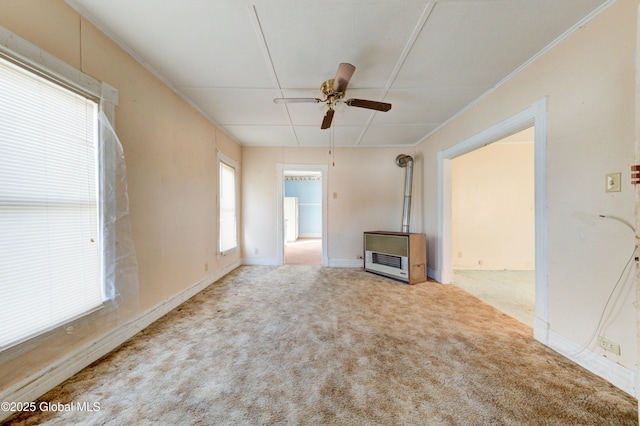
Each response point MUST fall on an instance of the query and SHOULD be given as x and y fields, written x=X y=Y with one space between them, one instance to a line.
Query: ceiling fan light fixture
x=339 y=105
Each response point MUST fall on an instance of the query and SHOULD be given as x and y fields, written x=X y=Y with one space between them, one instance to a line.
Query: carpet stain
x=312 y=345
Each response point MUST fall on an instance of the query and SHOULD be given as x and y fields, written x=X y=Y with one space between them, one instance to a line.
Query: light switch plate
x=613 y=182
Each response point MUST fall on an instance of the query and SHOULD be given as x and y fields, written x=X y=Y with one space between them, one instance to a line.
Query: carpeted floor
x=311 y=345
x=512 y=292
x=303 y=251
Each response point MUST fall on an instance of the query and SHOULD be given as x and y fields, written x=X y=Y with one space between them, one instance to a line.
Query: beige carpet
x=311 y=345
x=512 y=292
x=303 y=251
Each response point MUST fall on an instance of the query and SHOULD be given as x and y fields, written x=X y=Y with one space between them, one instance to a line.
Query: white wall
x=493 y=206
x=589 y=83
x=365 y=190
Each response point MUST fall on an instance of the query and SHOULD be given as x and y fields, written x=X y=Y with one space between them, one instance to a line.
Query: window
x=51 y=268
x=228 y=224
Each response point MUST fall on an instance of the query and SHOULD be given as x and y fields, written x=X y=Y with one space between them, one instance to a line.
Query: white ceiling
x=230 y=58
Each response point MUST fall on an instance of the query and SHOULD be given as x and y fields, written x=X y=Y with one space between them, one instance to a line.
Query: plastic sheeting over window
x=121 y=264
x=68 y=260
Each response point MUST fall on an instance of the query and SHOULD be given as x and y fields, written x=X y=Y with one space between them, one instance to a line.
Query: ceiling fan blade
x=297 y=100
x=363 y=103
x=328 y=118
x=345 y=71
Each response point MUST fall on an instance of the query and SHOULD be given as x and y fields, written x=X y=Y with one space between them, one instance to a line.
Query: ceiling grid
x=429 y=59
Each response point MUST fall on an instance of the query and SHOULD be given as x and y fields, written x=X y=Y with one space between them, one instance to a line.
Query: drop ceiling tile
x=396 y=135
x=347 y=135
x=262 y=135
x=425 y=106
x=342 y=135
x=313 y=136
x=307 y=40
x=194 y=43
x=214 y=52
x=478 y=43
x=239 y=106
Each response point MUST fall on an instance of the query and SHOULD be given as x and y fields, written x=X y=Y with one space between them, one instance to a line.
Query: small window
x=228 y=222
x=50 y=233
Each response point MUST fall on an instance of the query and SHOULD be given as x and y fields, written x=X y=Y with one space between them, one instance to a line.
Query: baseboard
x=346 y=263
x=46 y=379
x=332 y=263
x=312 y=235
x=541 y=331
x=434 y=274
x=260 y=261
x=616 y=374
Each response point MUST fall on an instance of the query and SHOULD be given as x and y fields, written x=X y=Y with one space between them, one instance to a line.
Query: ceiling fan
x=333 y=91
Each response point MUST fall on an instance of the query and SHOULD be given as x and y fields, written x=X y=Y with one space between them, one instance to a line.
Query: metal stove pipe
x=406 y=161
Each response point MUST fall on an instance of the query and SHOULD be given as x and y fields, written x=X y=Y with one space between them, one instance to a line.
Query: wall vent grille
x=387 y=260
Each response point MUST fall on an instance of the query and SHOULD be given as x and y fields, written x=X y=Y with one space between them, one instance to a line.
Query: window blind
x=228 y=229
x=50 y=266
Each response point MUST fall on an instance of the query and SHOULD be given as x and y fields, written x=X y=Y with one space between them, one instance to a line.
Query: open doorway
x=493 y=224
x=302 y=214
x=302 y=217
x=535 y=115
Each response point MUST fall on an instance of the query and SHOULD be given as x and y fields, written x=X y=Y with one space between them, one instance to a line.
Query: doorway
x=493 y=224
x=536 y=115
x=302 y=214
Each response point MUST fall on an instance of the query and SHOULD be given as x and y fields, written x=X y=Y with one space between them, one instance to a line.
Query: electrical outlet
x=609 y=345
x=206 y=267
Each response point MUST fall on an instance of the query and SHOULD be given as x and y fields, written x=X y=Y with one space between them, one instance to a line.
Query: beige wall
x=365 y=190
x=170 y=152
x=492 y=217
x=589 y=81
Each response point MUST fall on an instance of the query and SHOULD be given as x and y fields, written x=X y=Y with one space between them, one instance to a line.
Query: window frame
x=229 y=162
x=22 y=53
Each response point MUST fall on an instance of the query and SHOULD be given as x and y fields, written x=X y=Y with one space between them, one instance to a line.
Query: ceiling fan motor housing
x=330 y=94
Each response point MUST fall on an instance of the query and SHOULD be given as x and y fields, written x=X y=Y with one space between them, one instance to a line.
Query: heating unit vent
x=385 y=259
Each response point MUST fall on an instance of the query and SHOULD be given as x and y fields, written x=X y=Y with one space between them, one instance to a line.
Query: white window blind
x=228 y=229
x=50 y=266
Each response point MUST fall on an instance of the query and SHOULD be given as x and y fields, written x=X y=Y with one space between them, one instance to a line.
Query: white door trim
x=324 y=170
x=535 y=115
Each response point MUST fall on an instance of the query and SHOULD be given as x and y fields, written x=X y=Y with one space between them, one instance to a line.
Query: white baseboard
x=616 y=374
x=434 y=274
x=312 y=235
x=346 y=263
x=332 y=263
x=541 y=331
x=260 y=261
x=60 y=370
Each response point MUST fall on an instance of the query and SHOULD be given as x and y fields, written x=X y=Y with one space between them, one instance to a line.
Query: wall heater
x=398 y=255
